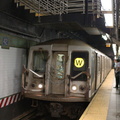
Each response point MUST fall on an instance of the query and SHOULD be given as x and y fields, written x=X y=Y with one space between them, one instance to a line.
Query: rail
x=26 y=115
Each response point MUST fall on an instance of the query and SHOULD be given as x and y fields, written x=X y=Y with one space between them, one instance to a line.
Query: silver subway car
x=64 y=71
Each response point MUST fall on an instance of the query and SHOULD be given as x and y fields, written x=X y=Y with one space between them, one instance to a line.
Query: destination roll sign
x=79 y=62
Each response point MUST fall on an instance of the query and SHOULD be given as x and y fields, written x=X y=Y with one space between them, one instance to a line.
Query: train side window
x=39 y=61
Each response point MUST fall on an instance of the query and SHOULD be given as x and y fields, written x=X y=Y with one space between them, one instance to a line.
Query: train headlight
x=40 y=85
x=74 y=87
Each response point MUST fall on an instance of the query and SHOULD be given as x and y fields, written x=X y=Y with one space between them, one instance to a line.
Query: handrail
x=87 y=74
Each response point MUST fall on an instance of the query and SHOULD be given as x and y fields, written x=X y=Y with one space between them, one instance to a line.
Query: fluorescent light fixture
x=119 y=51
x=106 y=36
x=114 y=48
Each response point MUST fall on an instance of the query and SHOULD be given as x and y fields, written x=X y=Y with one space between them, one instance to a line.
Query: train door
x=98 y=70
x=102 y=69
x=93 y=74
x=58 y=71
x=105 y=67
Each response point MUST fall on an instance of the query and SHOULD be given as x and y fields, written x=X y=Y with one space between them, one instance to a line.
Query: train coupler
x=34 y=103
x=56 y=109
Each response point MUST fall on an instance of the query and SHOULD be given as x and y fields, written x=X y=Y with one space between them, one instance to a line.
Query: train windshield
x=39 y=61
x=79 y=63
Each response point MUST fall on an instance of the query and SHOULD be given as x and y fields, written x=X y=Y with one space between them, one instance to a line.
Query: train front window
x=39 y=61
x=79 y=63
x=60 y=66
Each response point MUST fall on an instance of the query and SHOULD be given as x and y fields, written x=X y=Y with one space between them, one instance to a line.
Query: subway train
x=64 y=71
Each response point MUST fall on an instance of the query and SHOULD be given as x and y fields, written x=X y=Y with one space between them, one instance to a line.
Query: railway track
x=27 y=115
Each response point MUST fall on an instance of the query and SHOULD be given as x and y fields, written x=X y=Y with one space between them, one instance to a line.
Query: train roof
x=65 y=41
x=68 y=42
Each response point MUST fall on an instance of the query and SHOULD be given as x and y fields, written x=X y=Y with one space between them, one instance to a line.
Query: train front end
x=57 y=72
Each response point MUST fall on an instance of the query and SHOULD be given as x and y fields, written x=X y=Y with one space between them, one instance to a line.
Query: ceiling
x=23 y=17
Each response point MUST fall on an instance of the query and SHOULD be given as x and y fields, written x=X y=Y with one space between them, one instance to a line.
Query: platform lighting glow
x=114 y=48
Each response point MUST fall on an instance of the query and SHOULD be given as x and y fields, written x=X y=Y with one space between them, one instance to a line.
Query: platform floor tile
x=98 y=107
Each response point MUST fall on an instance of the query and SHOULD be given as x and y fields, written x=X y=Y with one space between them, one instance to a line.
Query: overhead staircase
x=59 y=7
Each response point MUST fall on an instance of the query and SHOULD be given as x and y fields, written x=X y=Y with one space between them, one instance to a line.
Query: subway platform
x=106 y=103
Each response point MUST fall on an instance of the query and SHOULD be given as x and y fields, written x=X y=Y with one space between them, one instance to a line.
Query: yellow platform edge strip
x=98 y=107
